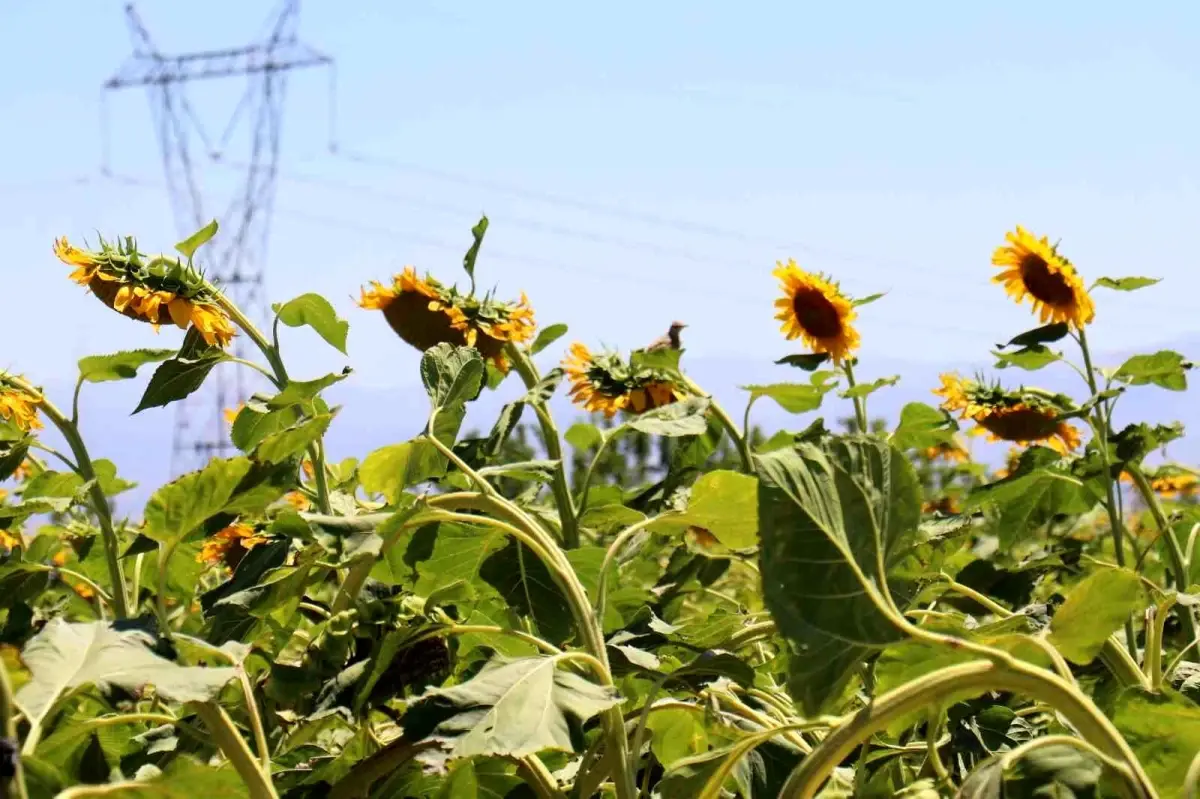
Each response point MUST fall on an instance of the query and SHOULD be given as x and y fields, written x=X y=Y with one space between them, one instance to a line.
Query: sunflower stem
x=99 y=502
x=567 y=514
x=1101 y=429
x=860 y=403
x=727 y=422
x=270 y=351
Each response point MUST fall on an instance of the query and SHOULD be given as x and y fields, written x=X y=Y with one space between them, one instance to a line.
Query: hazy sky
x=643 y=162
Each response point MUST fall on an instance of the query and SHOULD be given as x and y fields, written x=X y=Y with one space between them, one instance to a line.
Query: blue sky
x=640 y=163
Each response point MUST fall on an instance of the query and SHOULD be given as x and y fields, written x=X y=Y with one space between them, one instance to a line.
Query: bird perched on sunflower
x=606 y=383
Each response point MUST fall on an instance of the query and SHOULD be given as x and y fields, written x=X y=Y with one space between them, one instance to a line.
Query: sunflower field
x=533 y=611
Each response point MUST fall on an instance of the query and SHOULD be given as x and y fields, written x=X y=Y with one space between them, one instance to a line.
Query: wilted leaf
x=1094 y=609
x=66 y=656
x=511 y=708
x=829 y=519
x=452 y=375
x=1165 y=368
x=119 y=365
x=683 y=418
x=477 y=234
x=316 y=312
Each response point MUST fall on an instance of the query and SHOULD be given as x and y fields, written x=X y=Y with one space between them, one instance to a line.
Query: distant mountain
x=373 y=416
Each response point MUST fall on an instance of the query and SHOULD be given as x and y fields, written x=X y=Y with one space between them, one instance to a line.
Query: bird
x=671 y=341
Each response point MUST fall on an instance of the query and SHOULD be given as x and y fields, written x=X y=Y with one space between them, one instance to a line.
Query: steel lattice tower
x=237 y=257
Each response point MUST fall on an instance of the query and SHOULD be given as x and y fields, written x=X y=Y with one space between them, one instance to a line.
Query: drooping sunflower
x=1034 y=268
x=951 y=451
x=814 y=309
x=1171 y=482
x=606 y=383
x=155 y=289
x=1025 y=416
x=230 y=545
x=18 y=405
x=424 y=313
x=945 y=505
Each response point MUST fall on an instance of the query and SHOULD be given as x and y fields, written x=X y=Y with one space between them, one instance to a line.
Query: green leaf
x=391 y=469
x=683 y=418
x=1094 y=610
x=291 y=441
x=830 y=518
x=302 y=392
x=540 y=471
x=677 y=733
x=1164 y=368
x=452 y=375
x=1048 y=771
x=864 y=389
x=583 y=436
x=808 y=361
x=119 y=365
x=316 y=312
x=1031 y=358
x=1127 y=283
x=188 y=246
x=870 y=298
x=922 y=426
x=53 y=484
x=1046 y=334
x=526 y=585
x=12 y=455
x=66 y=656
x=726 y=504
x=106 y=476
x=547 y=336
x=179 y=507
x=512 y=708
x=180 y=376
x=22 y=582
x=1041 y=488
x=1164 y=732
x=477 y=233
x=792 y=397
x=184 y=778
x=255 y=422
x=665 y=359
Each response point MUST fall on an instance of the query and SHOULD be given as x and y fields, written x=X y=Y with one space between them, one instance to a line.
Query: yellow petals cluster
x=1033 y=268
x=949 y=451
x=157 y=290
x=1021 y=417
x=230 y=545
x=606 y=384
x=19 y=405
x=814 y=310
x=425 y=313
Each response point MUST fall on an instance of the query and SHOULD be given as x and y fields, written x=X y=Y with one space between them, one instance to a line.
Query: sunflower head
x=230 y=545
x=1172 y=482
x=425 y=313
x=1024 y=416
x=606 y=383
x=946 y=506
x=153 y=289
x=19 y=405
x=952 y=451
x=814 y=310
x=1033 y=268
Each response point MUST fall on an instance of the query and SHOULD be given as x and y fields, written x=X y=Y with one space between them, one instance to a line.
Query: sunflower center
x=816 y=314
x=1048 y=286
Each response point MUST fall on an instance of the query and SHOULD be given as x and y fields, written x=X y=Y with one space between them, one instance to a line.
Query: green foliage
x=316 y=312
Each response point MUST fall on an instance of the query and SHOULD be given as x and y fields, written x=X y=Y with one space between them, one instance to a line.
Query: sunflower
x=297 y=500
x=605 y=383
x=1026 y=416
x=424 y=313
x=19 y=405
x=158 y=290
x=231 y=414
x=951 y=451
x=9 y=541
x=1171 y=482
x=1032 y=267
x=947 y=506
x=814 y=309
x=230 y=545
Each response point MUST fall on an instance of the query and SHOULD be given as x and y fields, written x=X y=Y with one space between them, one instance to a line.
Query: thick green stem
x=99 y=501
x=860 y=403
x=743 y=446
x=535 y=774
x=1179 y=566
x=14 y=786
x=586 y=483
x=231 y=744
x=561 y=488
x=1100 y=426
x=972 y=677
